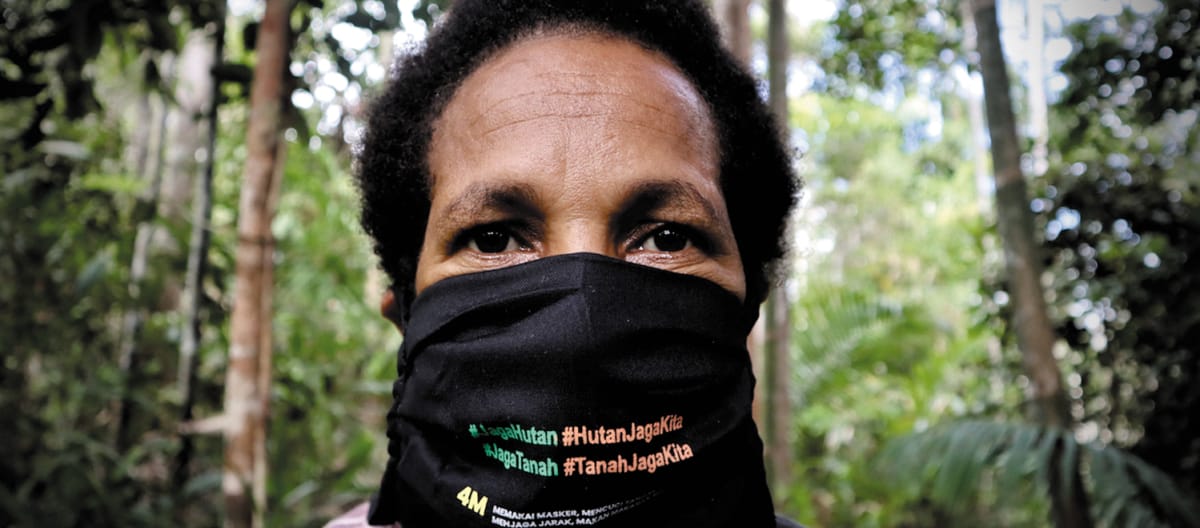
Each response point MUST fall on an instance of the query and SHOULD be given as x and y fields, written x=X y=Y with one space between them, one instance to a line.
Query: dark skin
x=566 y=144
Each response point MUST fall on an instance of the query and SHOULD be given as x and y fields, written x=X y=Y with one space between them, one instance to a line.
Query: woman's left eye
x=492 y=240
x=667 y=240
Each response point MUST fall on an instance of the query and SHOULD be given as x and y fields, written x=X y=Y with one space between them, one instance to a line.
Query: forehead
x=589 y=79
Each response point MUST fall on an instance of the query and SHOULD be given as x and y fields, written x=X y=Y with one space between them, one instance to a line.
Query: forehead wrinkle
x=560 y=76
x=551 y=110
x=580 y=116
x=485 y=112
x=662 y=131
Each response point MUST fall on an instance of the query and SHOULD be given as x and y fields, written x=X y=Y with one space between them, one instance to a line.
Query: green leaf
x=123 y=184
x=1124 y=490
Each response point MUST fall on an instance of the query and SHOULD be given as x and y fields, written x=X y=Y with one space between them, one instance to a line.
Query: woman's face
x=565 y=144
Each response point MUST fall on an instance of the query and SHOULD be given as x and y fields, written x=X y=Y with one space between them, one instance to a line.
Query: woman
x=578 y=204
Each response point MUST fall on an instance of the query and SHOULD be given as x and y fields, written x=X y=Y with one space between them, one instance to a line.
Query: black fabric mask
x=574 y=390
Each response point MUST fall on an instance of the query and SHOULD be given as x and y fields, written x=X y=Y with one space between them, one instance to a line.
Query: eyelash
x=649 y=230
x=639 y=236
x=466 y=236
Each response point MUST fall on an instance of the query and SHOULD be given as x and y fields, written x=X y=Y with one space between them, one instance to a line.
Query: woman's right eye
x=491 y=240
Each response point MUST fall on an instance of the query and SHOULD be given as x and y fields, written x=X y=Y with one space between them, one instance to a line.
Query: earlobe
x=390 y=310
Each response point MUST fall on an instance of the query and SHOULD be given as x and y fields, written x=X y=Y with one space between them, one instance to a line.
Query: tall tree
x=1023 y=263
x=248 y=376
x=131 y=324
x=776 y=365
x=198 y=245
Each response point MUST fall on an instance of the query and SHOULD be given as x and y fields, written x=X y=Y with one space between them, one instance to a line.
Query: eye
x=491 y=240
x=667 y=240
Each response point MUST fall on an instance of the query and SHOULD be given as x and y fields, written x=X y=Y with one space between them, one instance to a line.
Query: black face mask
x=574 y=390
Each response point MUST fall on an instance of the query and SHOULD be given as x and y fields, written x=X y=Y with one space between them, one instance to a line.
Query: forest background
x=897 y=382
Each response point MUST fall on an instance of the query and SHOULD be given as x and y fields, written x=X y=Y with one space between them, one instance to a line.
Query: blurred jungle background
x=989 y=320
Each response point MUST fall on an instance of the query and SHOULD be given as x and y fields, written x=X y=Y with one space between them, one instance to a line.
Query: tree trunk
x=245 y=391
x=193 y=289
x=259 y=484
x=189 y=137
x=1023 y=264
x=147 y=207
x=734 y=18
x=181 y=136
x=777 y=408
x=777 y=367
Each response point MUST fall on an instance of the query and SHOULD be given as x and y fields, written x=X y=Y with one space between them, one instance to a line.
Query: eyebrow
x=665 y=195
x=508 y=197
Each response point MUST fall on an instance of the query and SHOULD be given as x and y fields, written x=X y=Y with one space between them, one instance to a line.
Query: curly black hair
x=756 y=175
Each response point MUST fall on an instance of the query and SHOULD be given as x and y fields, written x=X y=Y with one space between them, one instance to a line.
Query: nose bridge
x=581 y=235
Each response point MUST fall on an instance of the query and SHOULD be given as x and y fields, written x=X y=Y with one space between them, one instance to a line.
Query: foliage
x=62 y=282
x=334 y=354
x=1130 y=369
x=48 y=44
x=881 y=45
x=1121 y=212
x=1012 y=462
x=79 y=86
x=66 y=193
x=884 y=339
x=895 y=333
x=1121 y=381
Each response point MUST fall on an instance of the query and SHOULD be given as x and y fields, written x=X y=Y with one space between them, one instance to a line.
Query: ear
x=390 y=310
